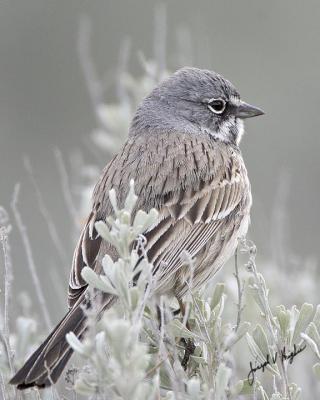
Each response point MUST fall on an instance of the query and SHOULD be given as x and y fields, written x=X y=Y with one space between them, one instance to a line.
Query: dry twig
x=31 y=264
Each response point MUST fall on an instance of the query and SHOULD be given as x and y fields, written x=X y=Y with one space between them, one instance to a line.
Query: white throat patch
x=240 y=125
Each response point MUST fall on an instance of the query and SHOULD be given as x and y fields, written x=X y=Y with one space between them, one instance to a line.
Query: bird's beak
x=245 y=110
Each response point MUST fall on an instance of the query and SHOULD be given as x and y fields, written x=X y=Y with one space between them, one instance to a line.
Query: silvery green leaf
x=125 y=219
x=206 y=311
x=144 y=390
x=78 y=347
x=121 y=280
x=193 y=388
x=91 y=277
x=316 y=318
x=107 y=264
x=294 y=315
x=111 y=269
x=243 y=329
x=237 y=388
x=254 y=291
x=198 y=360
x=135 y=297
x=304 y=318
x=100 y=349
x=119 y=335
x=217 y=311
x=311 y=343
x=221 y=381
x=259 y=357
x=316 y=370
x=283 y=317
x=46 y=394
x=134 y=257
x=103 y=230
x=217 y=295
x=101 y=341
x=295 y=391
x=96 y=281
x=143 y=221
x=131 y=199
x=113 y=200
x=107 y=286
x=85 y=388
x=254 y=349
x=247 y=389
x=26 y=328
x=236 y=336
x=260 y=338
x=140 y=220
x=179 y=330
x=262 y=283
x=155 y=386
x=170 y=395
x=153 y=216
x=313 y=333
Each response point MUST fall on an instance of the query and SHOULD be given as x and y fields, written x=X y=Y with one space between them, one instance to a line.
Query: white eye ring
x=217 y=106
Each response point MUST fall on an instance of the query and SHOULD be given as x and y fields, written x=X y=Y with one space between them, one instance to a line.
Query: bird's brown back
x=195 y=182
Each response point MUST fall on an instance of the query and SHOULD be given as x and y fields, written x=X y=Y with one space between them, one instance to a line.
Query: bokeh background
x=268 y=49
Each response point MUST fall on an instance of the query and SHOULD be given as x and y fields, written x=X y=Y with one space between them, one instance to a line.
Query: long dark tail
x=46 y=364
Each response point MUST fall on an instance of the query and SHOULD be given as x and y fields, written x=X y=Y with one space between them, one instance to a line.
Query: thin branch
x=200 y=313
x=31 y=264
x=250 y=248
x=8 y=274
x=240 y=290
x=164 y=355
x=4 y=339
x=154 y=368
x=45 y=213
x=66 y=187
x=5 y=229
x=2 y=386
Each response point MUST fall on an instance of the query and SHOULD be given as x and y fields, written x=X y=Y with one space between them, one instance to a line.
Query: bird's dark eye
x=217 y=106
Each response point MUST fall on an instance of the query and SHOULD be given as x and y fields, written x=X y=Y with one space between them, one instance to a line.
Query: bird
x=183 y=154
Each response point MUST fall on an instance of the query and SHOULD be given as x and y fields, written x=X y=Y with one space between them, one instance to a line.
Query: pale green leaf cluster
x=141 y=341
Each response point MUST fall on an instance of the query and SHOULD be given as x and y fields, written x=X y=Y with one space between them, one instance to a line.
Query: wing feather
x=85 y=254
x=195 y=183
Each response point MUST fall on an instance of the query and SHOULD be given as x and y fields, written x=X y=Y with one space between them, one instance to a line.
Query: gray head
x=194 y=100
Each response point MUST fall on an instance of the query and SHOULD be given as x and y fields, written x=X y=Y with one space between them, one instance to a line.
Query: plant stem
x=31 y=264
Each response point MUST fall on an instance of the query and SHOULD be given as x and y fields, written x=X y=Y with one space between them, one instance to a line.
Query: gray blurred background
x=269 y=49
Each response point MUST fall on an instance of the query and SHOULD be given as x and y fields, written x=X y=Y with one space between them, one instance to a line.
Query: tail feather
x=46 y=364
x=65 y=352
x=57 y=371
